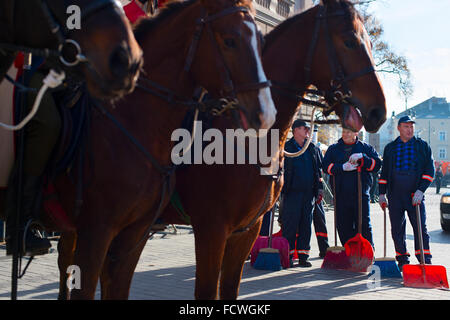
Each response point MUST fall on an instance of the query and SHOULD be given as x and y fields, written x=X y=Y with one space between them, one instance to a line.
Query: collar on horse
x=62 y=34
x=339 y=91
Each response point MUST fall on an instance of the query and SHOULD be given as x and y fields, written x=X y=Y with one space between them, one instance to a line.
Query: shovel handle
x=334 y=209
x=385 y=240
x=359 y=201
x=419 y=231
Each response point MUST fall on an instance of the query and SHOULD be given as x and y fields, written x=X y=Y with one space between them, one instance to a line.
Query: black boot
x=34 y=245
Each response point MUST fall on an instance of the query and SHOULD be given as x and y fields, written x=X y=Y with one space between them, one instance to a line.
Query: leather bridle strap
x=339 y=79
x=229 y=89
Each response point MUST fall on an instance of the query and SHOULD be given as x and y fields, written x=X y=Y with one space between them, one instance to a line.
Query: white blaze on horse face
x=268 y=110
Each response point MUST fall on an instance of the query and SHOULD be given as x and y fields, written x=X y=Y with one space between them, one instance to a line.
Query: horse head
x=232 y=43
x=99 y=47
x=343 y=55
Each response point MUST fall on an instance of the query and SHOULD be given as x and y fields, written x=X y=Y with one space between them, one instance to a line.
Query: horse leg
x=121 y=261
x=237 y=250
x=209 y=248
x=92 y=245
x=66 y=248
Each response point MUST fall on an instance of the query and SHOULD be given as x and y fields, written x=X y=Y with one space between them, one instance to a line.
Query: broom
x=335 y=257
x=269 y=258
x=358 y=249
x=388 y=266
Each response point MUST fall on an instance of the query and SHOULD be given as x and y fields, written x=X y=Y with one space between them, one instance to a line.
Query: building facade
x=270 y=13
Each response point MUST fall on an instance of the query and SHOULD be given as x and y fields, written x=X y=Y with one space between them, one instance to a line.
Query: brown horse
x=101 y=49
x=132 y=181
x=225 y=233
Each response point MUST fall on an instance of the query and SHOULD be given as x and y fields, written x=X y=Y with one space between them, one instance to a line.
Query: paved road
x=166 y=270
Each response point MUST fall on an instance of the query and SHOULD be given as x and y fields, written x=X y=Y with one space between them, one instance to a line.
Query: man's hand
x=417 y=198
x=382 y=200
x=319 y=196
x=354 y=158
x=349 y=166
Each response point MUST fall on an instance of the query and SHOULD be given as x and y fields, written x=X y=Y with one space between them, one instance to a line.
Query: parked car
x=445 y=211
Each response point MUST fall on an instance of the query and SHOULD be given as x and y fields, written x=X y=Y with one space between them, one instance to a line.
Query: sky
x=420 y=31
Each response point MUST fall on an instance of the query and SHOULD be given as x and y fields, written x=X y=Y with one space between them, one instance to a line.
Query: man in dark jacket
x=408 y=170
x=341 y=161
x=302 y=184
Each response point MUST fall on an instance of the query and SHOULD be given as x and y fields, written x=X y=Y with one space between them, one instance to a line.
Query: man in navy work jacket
x=408 y=170
x=302 y=185
x=341 y=161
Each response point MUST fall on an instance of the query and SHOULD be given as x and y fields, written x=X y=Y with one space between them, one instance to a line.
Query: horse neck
x=166 y=54
x=7 y=18
x=284 y=62
x=164 y=65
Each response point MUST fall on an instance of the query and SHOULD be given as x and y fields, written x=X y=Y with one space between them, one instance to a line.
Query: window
x=283 y=8
x=442 y=136
x=264 y=3
x=442 y=153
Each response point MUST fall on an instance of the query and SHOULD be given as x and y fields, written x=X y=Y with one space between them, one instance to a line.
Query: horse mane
x=332 y=4
x=145 y=25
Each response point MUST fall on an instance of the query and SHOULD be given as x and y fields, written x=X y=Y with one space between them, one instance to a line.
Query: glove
x=382 y=201
x=417 y=198
x=355 y=157
x=349 y=166
x=319 y=196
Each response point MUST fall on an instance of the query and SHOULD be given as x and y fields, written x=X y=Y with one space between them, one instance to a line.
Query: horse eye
x=351 y=44
x=230 y=43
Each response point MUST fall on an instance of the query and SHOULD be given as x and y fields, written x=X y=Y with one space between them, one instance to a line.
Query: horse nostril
x=120 y=62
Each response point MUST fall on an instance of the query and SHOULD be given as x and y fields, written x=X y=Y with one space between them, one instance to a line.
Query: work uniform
x=347 y=186
x=407 y=167
x=302 y=181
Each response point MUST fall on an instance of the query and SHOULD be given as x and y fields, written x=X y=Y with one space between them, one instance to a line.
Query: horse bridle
x=229 y=93
x=61 y=33
x=229 y=89
x=339 y=90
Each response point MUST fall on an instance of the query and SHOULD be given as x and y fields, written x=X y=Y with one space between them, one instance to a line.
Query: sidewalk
x=166 y=271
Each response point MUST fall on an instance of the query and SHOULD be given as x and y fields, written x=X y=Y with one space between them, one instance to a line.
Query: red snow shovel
x=335 y=258
x=424 y=276
x=358 y=249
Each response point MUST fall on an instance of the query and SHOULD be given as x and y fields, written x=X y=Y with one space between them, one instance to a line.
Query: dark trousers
x=400 y=200
x=296 y=219
x=347 y=217
x=438 y=185
x=320 y=227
